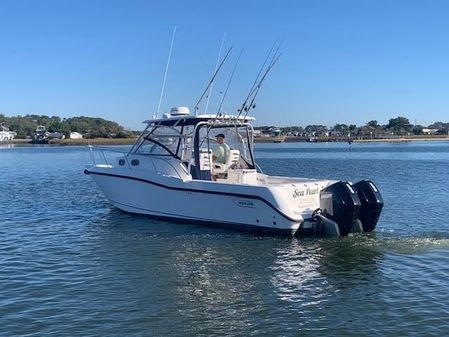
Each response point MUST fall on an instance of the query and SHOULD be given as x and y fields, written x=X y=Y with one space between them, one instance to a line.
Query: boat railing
x=102 y=156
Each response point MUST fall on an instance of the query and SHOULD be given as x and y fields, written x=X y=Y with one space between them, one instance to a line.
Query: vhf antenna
x=166 y=71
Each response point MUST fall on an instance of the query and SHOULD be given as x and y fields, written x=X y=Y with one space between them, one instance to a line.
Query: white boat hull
x=244 y=206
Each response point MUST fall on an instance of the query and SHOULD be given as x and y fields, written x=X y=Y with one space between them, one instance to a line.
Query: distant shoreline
x=412 y=139
x=130 y=141
x=289 y=139
x=84 y=141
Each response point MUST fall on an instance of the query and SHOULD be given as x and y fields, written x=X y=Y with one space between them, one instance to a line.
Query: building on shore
x=76 y=135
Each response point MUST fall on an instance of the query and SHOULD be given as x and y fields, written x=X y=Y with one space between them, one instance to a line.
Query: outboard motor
x=371 y=204
x=339 y=202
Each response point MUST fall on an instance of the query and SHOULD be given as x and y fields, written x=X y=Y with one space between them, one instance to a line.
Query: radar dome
x=180 y=111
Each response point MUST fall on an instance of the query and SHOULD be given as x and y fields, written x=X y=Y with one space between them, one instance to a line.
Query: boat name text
x=308 y=191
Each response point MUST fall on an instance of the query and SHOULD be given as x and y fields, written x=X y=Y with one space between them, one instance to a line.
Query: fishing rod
x=223 y=96
x=211 y=80
x=166 y=71
x=229 y=83
x=252 y=104
x=272 y=62
x=216 y=66
x=256 y=80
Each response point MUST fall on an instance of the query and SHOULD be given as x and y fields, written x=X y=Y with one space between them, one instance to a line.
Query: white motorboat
x=170 y=173
x=41 y=136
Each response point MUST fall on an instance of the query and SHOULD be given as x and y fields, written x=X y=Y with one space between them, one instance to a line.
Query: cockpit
x=191 y=141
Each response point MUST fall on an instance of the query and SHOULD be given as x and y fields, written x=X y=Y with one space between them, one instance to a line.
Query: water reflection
x=295 y=270
x=216 y=281
x=310 y=271
x=6 y=145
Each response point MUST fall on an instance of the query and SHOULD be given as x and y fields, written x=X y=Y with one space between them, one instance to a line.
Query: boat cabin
x=191 y=140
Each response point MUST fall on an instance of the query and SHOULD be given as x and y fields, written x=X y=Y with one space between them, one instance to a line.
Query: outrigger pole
x=166 y=71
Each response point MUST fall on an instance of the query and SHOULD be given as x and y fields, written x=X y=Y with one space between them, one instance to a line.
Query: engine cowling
x=340 y=203
x=371 y=204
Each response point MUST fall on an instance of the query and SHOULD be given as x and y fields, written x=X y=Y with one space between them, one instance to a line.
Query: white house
x=76 y=135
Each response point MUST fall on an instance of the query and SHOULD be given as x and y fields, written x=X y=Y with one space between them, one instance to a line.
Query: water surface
x=71 y=265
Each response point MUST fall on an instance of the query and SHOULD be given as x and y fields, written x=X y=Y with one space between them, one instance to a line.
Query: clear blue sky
x=346 y=61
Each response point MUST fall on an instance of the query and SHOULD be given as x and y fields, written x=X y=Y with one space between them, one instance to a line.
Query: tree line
x=94 y=127
x=90 y=127
x=399 y=126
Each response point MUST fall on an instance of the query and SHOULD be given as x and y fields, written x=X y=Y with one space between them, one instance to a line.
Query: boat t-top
x=171 y=173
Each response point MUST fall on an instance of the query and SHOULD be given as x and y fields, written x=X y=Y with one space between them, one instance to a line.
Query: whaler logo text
x=244 y=203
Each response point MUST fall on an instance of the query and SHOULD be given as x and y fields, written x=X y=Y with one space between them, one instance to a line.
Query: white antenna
x=166 y=70
x=216 y=66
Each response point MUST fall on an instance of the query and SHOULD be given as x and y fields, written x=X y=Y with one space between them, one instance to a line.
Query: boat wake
x=415 y=244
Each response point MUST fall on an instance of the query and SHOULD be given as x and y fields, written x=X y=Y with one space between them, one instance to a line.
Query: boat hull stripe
x=224 y=224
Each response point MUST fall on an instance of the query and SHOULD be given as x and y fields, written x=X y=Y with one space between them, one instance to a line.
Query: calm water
x=70 y=265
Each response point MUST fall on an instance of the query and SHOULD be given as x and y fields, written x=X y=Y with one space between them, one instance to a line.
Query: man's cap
x=220 y=135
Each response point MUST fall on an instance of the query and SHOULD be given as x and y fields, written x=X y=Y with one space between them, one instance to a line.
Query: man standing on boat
x=222 y=150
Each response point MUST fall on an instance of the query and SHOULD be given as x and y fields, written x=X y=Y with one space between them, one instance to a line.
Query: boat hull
x=195 y=202
x=279 y=205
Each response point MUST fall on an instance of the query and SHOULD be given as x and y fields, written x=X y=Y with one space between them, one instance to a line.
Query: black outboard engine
x=371 y=204
x=340 y=203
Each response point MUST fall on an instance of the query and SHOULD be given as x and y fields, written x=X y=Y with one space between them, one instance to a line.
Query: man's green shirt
x=221 y=153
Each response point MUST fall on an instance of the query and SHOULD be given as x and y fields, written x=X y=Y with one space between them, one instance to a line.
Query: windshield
x=160 y=140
